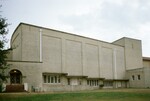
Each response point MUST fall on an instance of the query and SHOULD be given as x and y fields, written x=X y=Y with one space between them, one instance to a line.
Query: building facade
x=50 y=60
x=139 y=77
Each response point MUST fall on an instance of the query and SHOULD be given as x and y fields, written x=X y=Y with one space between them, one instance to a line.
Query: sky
x=106 y=20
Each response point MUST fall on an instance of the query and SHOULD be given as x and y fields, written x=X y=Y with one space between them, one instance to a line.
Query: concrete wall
x=51 y=53
x=146 y=76
x=26 y=44
x=107 y=63
x=146 y=63
x=146 y=69
x=136 y=82
x=66 y=53
x=92 y=60
x=16 y=44
x=30 y=43
x=42 y=50
x=133 y=52
x=144 y=73
x=73 y=57
x=31 y=73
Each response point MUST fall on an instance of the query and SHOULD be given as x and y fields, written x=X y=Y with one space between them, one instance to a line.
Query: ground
x=95 y=95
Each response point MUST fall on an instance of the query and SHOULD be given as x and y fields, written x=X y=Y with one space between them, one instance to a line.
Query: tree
x=3 y=51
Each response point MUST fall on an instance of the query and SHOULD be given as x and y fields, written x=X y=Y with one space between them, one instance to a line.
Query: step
x=15 y=88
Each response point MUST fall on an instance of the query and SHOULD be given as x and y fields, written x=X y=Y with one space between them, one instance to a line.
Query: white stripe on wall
x=40 y=45
x=115 y=68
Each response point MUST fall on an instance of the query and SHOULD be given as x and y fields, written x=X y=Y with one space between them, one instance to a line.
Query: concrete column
x=63 y=56
x=40 y=45
x=114 y=64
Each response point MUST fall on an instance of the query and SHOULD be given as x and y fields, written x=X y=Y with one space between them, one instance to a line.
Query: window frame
x=51 y=79
x=133 y=77
x=93 y=82
x=138 y=77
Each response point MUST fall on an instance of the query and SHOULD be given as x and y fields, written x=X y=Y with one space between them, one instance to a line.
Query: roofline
x=23 y=61
x=134 y=69
x=14 y=32
x=22 y=23
x=146 y=58
x=125 y=38
x=62 y=32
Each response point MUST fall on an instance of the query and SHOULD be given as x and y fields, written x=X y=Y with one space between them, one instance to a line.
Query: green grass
x=97 y=95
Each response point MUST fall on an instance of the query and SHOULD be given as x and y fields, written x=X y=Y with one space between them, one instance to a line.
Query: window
x=51 y=78
x=88 y=82
x=133 y=78
x=55 y=79
x=58 y=79
x=80 y=81
x=68 y=81
x=108 y=83
x=44 y=78
x=138 y=77
x=92 y=82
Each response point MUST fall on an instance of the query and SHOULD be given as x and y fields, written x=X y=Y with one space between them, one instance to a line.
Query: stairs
x=15 y=88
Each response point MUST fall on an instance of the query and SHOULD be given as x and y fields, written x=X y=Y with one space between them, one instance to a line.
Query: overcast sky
x=106 y=20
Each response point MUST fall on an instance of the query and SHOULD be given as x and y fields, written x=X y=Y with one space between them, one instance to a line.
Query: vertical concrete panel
x=31 y=73
x=146 y=63
x=64 y=70
x=17 y=47
x=120 y=64
x=30 y=43
x=73 y=57
x=107 y=63
x=92 y=60
x=146 y=77
x=136 y=82
x=133 y=54
x=52 y=52
x=16 y=44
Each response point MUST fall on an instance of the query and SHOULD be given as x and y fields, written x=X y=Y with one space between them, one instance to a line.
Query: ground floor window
x=47 y=78
x=138 y=77
x=93 y=82
x=133 y=77
x=68 y=81
x=108 y=83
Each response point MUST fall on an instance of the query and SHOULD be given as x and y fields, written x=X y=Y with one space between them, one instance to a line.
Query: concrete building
x=44 y=59
x=139 y=77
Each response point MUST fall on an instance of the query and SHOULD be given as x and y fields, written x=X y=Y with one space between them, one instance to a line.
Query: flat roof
x=146 y=58
x=22 y=23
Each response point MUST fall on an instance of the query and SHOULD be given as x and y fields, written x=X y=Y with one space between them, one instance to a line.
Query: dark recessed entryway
x=15 y=76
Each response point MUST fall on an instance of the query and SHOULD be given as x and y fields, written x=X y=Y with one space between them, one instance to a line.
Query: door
x=15 y=77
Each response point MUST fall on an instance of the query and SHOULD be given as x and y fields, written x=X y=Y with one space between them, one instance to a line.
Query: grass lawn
x=96 y=95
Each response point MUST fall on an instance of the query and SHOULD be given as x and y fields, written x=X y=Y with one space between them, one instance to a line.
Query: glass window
x=139 y=77
x=92 y=82
x=58 y=79
x=51 y=79
x=68 y=81
x=44 y=78
x=87 y=82
x=133 y=77
x=55 y=79
x=108 y=83
x=80 y=82
x=48 y=79
x=96 y=82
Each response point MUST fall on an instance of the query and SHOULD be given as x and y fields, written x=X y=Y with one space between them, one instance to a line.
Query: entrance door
x=15 y=77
